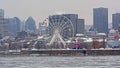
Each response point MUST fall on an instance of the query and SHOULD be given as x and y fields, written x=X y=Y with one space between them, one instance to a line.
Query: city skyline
x=41 y=9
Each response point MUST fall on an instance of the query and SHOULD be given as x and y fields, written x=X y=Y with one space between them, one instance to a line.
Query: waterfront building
x=30 y=25
x=80 y=26
x=116 y=21
x=14 y=25
x=111 y=34
x=22 y=34
x=100 y=19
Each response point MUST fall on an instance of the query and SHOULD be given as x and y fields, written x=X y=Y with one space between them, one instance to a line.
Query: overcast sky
x=40 y=9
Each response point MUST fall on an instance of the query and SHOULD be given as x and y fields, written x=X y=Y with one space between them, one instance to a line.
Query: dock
x=73 y=52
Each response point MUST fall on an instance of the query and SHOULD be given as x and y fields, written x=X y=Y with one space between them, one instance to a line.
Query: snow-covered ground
x=60 y=62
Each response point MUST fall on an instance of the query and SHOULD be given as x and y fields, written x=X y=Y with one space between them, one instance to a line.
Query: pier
x=71 y=52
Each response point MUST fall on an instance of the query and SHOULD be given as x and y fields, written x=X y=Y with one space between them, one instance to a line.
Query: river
x=60 y=62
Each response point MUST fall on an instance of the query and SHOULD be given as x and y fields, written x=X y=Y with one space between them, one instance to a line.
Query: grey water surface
x=60 y=62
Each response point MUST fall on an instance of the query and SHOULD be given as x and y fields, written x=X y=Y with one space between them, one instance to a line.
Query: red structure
x=76 y=45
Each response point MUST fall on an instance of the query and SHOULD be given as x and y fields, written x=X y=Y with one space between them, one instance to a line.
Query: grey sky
x=40 y=9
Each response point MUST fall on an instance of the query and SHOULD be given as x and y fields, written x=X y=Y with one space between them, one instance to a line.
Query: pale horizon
x=41 y=9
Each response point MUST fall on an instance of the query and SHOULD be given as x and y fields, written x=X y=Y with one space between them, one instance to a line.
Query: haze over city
x=41 y=9
x=59 y=33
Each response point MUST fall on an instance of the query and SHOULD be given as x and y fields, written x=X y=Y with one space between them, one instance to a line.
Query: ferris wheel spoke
x=66 y=27
x=52 y=26
x=64 y=24
x=58 y=21
x=56 y=24
x=52 y=23
x=59 y=25
x=51 y=20
x=61 y=21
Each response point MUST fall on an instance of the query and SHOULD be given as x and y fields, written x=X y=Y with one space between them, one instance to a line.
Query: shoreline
x=64 y=52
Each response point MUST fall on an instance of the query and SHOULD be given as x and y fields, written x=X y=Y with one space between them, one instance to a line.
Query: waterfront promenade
x=64 y=52
x=73 y=52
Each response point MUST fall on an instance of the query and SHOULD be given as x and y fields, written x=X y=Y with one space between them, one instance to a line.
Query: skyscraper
x=22 y=28
x=100 y=19
x=3 y=23
x=1 y=13
x=80 y=26
x=30 y=25
x=13 y=25
x=116 y=21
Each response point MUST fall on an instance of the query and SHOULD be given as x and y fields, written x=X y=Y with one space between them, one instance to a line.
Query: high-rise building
x=22 y=28
x=116 y=21
x=13 y=26
x=30 y=25
x=3 y=23
x=80 y=26
x=3 y=27
x=1 y=13
x=43 y=28
x=100 y=19
x=73 y=18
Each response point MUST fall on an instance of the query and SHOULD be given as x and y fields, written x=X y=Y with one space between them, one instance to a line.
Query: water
x=60 y=62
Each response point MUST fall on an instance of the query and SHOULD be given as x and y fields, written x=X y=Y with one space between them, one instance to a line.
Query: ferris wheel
x=60 y=28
